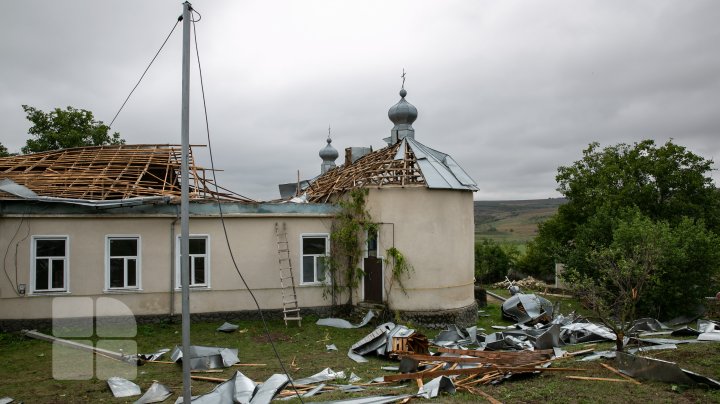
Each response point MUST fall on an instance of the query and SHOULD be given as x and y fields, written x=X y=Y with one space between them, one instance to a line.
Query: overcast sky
x=510 y=89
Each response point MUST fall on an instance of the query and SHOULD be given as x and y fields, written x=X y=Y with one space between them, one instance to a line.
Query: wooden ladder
x=291 y=310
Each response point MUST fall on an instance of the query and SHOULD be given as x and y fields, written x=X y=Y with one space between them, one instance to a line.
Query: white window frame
x=326 y=236
x=66 y=265
x=178 y=281
x=138 y=262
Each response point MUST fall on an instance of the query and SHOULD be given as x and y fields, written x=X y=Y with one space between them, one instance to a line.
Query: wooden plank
x=601 y=379
x=619 y=373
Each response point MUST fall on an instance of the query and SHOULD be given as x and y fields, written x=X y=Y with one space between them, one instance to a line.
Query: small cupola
x=328 y=154
x=402 y=114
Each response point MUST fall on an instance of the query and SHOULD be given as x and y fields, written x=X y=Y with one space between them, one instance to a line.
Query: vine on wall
x=400 y=268
x=349 y=227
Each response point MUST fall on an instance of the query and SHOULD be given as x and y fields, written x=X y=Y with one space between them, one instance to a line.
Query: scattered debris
x=205 y=357
x=525 y=308
x=709 y=330
x=227 y=327
x=241 y=389
x=389 y=340
x=6 y=400
x=440 y=384
x=340 y=323
x=527 y=283
x=643 y=368
x=324 y=375
x=603 y=379
x=331 y=347
x=152 y=357
x=123 y=387
x=156 y=393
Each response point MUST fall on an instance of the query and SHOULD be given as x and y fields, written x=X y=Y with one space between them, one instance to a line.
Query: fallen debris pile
x=389 y=340
x=527 y=283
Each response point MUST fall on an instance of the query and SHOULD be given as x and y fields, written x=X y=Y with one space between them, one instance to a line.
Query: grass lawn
x=26 y=371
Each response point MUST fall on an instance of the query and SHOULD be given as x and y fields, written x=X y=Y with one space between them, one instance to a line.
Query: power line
x=146 y=70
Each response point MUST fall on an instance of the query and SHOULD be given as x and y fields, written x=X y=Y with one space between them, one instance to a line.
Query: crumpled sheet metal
x=375 y=341
x=709 y=330
x=453 y=336
x=241 y=389
x=156 y=393
x=527 y=308
x=227 y=327
x=324 y=375
x=6 y=400
x=206 y=357
x=599 y=354
x=647 y=324
x=685 y=332
x=437 y=385
x=268 y=390
x=584 y=332
x=380 y=341
x=340 y=323
x=123 y=387
x=545 y=337
x=644 y=368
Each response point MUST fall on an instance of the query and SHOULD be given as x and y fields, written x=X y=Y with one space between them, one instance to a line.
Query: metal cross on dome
x=403 y=77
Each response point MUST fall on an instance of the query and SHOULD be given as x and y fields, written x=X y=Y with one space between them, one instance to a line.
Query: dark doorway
x=373 y=267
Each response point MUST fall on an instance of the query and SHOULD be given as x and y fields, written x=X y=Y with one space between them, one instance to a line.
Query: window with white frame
x=199 y=255
x=49 y=264
x=314 y=248
x=122 y=262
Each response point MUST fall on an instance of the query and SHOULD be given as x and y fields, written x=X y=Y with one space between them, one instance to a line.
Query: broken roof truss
x=109 y=173
x=406 y=163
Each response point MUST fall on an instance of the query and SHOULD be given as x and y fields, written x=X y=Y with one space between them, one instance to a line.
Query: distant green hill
x=513 y=221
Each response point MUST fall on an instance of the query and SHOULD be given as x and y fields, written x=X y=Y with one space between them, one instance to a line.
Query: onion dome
x=328 y=154
x=402 y=114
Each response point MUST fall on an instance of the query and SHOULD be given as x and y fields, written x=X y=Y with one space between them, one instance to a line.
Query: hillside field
x=513 y=222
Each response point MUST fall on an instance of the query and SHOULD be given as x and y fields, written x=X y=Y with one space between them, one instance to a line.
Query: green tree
x=3 y=151
x=623 y=271
x=63 y=129
x=665 y=184
x=492 y=261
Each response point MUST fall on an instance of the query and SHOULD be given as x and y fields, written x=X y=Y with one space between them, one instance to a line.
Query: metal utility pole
x=184 y=202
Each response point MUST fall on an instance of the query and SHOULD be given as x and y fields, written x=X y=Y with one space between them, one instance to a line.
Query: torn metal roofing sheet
x=123 y=387
x=340 y=323
x=156 y=393
x=205 y=357
x=439 y=169
x=644 y=368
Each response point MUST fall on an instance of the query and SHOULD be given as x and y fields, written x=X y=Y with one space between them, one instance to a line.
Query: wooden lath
x=109 y=173
x=378 y=168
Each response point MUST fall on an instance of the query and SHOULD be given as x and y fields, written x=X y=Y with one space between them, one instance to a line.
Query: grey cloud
x=511 y=89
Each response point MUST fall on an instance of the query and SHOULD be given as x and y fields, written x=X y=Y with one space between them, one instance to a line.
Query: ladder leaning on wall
x=291 y=310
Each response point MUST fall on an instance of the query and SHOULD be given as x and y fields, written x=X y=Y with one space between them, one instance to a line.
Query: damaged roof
x=405 y=163
x=104 y=173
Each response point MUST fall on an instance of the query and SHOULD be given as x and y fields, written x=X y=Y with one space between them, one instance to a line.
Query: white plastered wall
x=434 y=229
x=252 y=239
